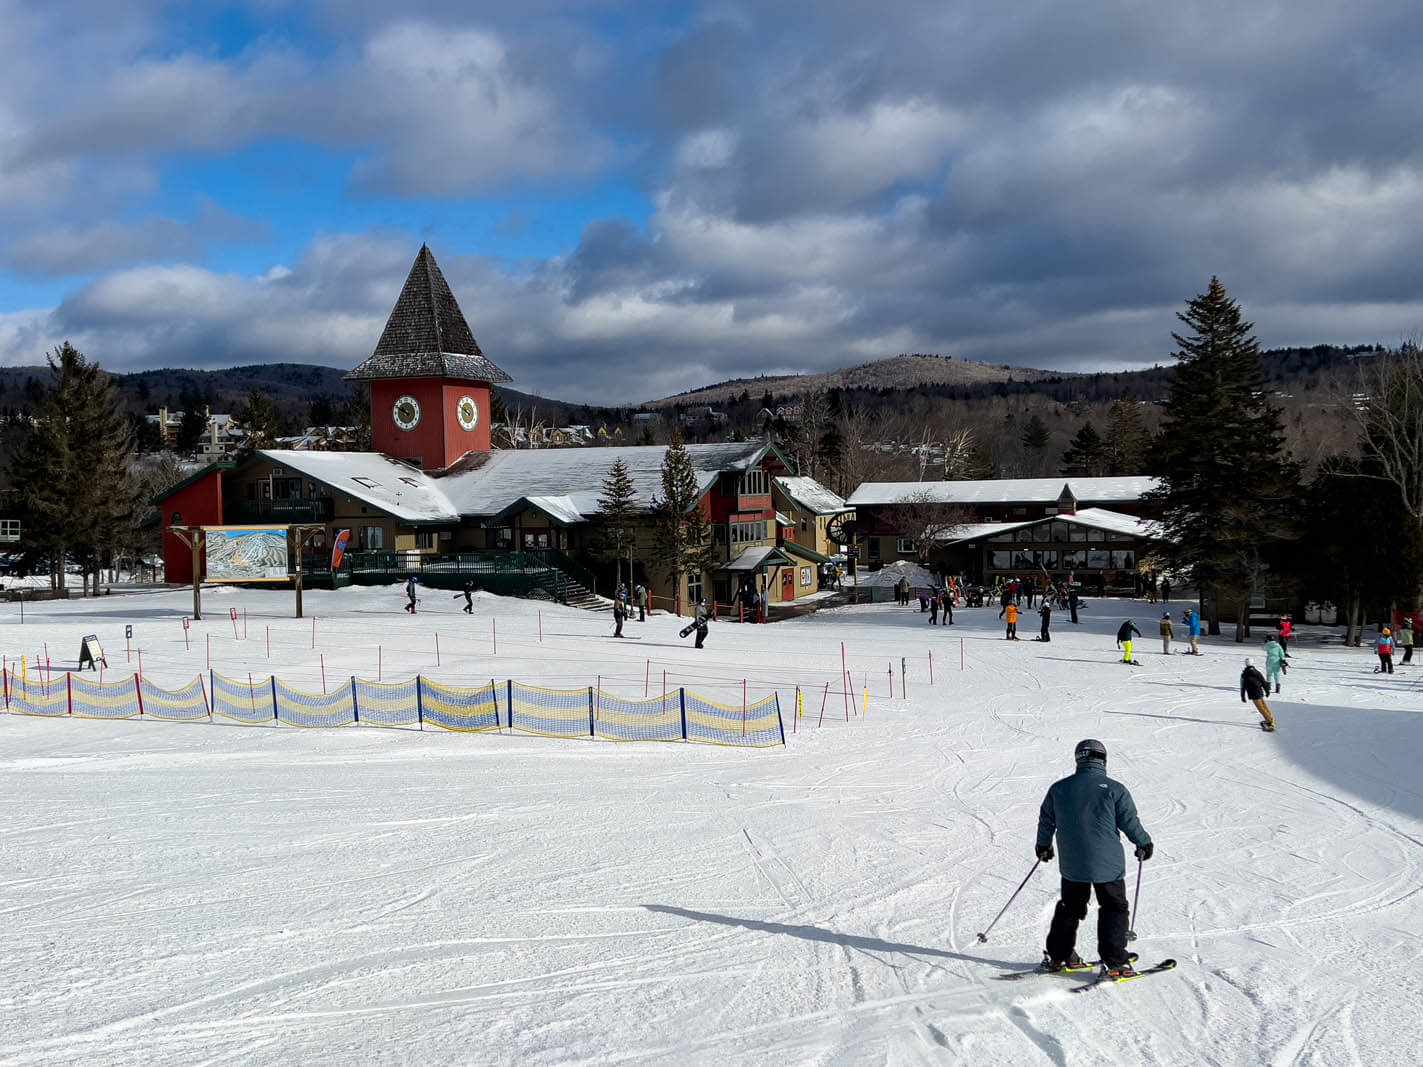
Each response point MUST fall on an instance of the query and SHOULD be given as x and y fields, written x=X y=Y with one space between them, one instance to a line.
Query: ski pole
x=984 y=936
x=1131 y=926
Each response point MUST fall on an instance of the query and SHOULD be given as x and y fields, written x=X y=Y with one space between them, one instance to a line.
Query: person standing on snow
x=1166 y=634
x=1287 y=630
x=946 y=605
x=1124 y=636
x=1254 y=686
x=1045 y=610
x=1072 y=602
x=1405 y=640
x=620 y=613
x=703 y=621
x=1275 y=665
x=641 y=594
x=1088 y=812
x=1193 y=624
x=933 y=606
x=410 y=592
x=1384 y=647
x=1012 y=617
x=467 y=591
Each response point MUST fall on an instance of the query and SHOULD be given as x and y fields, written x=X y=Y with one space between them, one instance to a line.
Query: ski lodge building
x=1095 y=529
x=434 y=499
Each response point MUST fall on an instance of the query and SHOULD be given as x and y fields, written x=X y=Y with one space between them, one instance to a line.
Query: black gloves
x=1044 y=853
x=1143 y=852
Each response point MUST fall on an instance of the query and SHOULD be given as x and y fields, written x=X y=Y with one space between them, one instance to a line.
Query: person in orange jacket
x=1010 y=612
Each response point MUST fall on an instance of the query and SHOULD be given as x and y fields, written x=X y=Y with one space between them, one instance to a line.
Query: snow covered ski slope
x=217 y=893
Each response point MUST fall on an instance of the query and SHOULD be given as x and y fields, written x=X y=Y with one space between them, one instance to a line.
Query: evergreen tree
x=72 y=474
x=193 y=424
x=1034 y=440
x=616 y=508
x=1087 y=455
x=682 y=529
x=1226 y=487
x=1128 y=441
x=259 y=420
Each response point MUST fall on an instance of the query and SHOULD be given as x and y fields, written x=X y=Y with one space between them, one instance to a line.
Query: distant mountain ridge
x=894 y=372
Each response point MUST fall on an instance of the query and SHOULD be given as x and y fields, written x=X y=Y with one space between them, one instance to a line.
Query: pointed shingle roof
x=426 y=335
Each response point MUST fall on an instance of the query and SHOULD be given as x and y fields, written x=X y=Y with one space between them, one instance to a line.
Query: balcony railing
x=282 y=512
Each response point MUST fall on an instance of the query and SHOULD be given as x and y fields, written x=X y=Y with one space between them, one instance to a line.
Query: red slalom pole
x=844 y=681
x=323 y=674
x=795 y=713
x=646 y=677
x=823 y=698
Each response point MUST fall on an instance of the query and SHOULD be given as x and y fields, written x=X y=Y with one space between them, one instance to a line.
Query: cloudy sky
x=631 y=198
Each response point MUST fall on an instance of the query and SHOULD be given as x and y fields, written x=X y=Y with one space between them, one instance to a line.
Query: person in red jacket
x=1287 y=629
x=1384 y=647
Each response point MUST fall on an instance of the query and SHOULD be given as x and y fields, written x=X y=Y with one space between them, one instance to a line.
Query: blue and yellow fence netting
x=586 y=712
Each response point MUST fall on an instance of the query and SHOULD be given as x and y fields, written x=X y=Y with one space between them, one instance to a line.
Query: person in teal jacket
x=1088 y=812
x=1275 y=665
x=1193 y=625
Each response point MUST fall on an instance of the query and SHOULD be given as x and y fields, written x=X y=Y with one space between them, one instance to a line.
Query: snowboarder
x=1275 y=665
x=1166 y=634
x=410 y=592
x=1405 y=640
x=1193 y=626
x=1384 y=647
x=1012 y=617
x=1087 y=812
x=467 y=591
x=703 y=620
x=1045 y=610
x=1124 y=636
x=1254 y=686
x=1287 y=630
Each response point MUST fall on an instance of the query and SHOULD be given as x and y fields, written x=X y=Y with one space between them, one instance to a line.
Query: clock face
x=406 y=413
x=467 y=411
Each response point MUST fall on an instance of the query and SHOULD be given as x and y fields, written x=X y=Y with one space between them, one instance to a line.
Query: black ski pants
x=1113 y=917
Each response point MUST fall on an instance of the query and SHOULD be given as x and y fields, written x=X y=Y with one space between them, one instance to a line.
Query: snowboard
x=687 y=630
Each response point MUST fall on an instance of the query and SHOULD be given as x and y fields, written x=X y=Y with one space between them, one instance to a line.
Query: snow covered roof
x=1097 y=518
x=396 y=489
x=488 y=482
x=811 y=495
x=1003 y=490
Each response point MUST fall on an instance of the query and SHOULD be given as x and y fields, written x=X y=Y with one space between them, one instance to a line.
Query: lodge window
x=372 y=537
x=754 y=483
x=424 y=538
x=504 y=537
x=743 y=533
x=694 y=587
x=906 y=546
x=10 y=528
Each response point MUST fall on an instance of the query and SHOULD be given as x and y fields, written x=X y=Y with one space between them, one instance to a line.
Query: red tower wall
x=439 y=439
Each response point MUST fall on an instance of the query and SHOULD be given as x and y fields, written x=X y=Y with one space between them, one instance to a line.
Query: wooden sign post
x=300 y=535
x=196 y=539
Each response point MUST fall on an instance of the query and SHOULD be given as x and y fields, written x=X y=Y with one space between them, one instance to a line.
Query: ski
x=1163 y=966
x=1086 y=968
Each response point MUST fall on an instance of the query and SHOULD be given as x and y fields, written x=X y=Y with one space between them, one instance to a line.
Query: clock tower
x=429 y=381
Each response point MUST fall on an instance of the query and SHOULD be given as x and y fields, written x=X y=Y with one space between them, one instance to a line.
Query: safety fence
x=679 y=715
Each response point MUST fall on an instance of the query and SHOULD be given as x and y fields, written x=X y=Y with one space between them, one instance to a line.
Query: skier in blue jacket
x=1193 y=624
x=1088 y=811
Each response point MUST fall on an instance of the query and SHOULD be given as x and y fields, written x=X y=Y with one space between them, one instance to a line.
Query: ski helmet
x=1091 y=748
x=1249 y=662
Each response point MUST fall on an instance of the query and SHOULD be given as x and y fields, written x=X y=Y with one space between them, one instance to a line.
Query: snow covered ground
x=214 y=893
